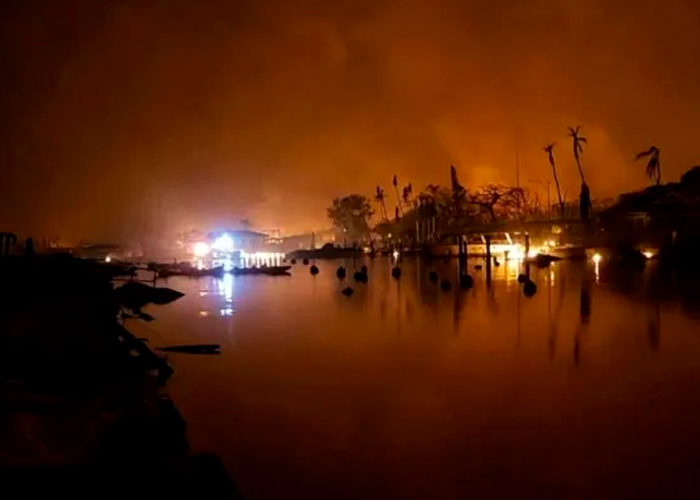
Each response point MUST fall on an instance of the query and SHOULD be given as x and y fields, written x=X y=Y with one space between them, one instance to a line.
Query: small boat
x=265 y=271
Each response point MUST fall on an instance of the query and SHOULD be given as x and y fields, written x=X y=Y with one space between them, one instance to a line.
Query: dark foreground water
x=590 y=389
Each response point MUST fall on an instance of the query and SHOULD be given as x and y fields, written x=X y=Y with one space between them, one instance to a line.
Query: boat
x=265 y=271
x=168 y=270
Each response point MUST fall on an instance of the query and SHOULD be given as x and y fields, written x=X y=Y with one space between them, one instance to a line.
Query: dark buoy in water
x=293 y=261
x=495 y=262
x=477 y=267
x=340 y=273
x=522 y=278
x=313 y=270
x=360 y=277
x=445 y=285
x=433 y=277
x=396 y=272
x=530 y=288
x=305 y=262
x=363 y=269
x=466 y=282
x=347 y=291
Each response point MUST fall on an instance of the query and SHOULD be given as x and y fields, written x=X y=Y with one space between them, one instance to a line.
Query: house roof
x=662 y=199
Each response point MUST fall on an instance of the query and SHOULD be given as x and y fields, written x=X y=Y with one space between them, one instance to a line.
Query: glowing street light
x=597 y=258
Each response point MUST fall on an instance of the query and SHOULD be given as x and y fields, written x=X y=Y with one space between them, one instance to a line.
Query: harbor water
x=588 y=389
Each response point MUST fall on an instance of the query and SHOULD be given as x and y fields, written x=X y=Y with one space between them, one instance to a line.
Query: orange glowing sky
x=121 y=118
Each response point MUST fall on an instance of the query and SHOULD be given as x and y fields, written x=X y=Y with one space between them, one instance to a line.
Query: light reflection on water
x=590 y=388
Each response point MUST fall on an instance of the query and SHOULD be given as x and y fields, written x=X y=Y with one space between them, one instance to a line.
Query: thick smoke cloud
x=129 y=118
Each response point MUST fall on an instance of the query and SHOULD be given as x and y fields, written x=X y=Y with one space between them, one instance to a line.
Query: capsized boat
x=264 y=270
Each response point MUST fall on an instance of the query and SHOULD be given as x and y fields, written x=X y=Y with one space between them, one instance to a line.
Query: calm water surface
x=590 y=389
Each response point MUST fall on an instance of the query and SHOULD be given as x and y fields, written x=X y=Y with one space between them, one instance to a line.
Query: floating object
x=347 y=291
x=305 y=262
x=522 y=278
x=530 y=288
x=433 y=277
x=477 y=267
x=265 y=271
x=193 y=349
x=466 y=282
x=445 y=285
x=293 y=261
x=396 y=272
x=543 y=260
x=313 y=270
x=361 y=277
x=340 y=273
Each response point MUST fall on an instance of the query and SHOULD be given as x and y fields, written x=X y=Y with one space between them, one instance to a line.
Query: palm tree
x=549 y=149
x=653 y=164
x=395 y=182
x=379 y=197
x=407 y=195
x=585 y=199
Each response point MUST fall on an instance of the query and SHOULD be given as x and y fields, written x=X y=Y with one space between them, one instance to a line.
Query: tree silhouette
x=578 y=141
x=395 y=182
x=380 y=198
x=653 y=164
x=549 y=149
x=407 y=194
x=351 y=214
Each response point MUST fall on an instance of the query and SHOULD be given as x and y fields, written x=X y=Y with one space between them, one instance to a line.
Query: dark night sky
x=118 y=118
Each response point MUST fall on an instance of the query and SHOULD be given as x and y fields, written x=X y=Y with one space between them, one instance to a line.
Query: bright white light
x=552 y=243
x=223 y=243
x=108 y=259
x=396 y=254
x=200 y=249
x=597 y=258
x=648 y=254
x=532 y=253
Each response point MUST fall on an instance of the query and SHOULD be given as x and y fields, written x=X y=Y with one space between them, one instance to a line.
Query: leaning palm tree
x=549 y=149
x=380 y=198
x=585 y=199
x=653 y=164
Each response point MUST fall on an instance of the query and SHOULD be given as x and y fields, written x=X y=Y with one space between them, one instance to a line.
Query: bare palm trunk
x=578 y=164
x=556 y=182
x=398 y=200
